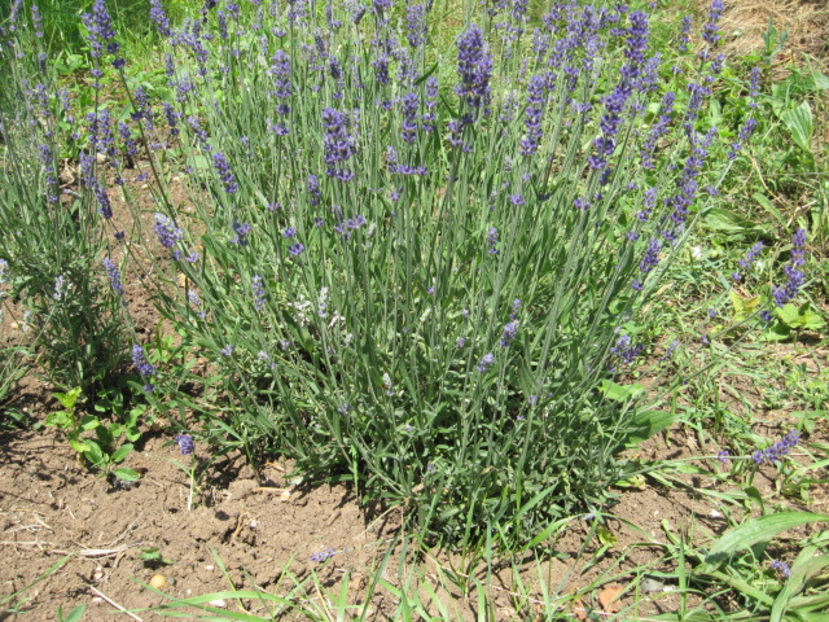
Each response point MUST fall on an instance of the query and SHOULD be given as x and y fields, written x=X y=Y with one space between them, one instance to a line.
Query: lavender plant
x=414 y=282
x=54 y=236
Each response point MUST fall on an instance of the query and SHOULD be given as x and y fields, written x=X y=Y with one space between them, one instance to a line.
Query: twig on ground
x=100 y=594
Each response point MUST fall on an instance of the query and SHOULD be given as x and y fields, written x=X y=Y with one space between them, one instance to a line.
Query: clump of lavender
x=784 y=293
x=777 y=451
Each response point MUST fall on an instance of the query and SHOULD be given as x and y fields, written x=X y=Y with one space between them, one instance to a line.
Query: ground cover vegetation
x=465 y=258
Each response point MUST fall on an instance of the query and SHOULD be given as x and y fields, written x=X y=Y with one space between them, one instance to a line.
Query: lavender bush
x=412 y=268
x=54 y=241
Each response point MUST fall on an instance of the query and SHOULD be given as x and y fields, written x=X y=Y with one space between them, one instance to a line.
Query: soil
x=235 y=533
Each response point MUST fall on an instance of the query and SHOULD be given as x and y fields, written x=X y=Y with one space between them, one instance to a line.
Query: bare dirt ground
x=264 y=535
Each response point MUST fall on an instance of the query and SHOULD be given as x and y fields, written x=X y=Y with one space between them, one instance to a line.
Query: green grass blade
x=757 y=530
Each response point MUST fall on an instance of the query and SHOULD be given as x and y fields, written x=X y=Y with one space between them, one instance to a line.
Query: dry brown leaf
x=608 y=596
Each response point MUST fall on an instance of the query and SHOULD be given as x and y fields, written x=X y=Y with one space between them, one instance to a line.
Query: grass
x=382 y=343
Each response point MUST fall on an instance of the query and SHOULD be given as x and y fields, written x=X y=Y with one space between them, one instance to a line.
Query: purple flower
x=722 y=456
x=460 y=342
x=242 y=230
x=747 y=260
x=339 y=146
x=684 y=37
x=104 y=206
x=37 y=21
x=776 y=452
x=509 y=333
x=168 y=234
x=139 y=361
x=185 y=444
x=474 y=67
x=658 y=131
x=408 y=131
x=416 y=24
x=283 y=89
x=323 y=556
x=227 y=350
x=625 y=351
x=114 y=276
x=782 y=568
x=172 y=118
x=754 y=86
x=784 y=293
x=313 y=186
x=431 y=92
x=225 y=174
x=492 y=238
x=158 y=15
x=710 y=32
x=536 y=98
x=486 y=362
x=746 y=129
x=259 y=295
x=651 y=257
x=101 y=34
x=297 y=249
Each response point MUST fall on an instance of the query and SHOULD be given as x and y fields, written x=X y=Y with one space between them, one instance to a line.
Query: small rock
x=650 y=586
x=158 y=581
x=219 y=602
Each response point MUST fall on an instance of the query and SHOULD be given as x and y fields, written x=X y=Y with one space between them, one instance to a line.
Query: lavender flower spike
x=474 y=67
x=168 y=234
x=784 y=293
x=225 y=174
x=114 y=276
x=139 y=361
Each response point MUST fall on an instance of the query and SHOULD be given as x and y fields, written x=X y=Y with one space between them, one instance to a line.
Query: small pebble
x=650 y=586
x=158 y=581
x=219 y=602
